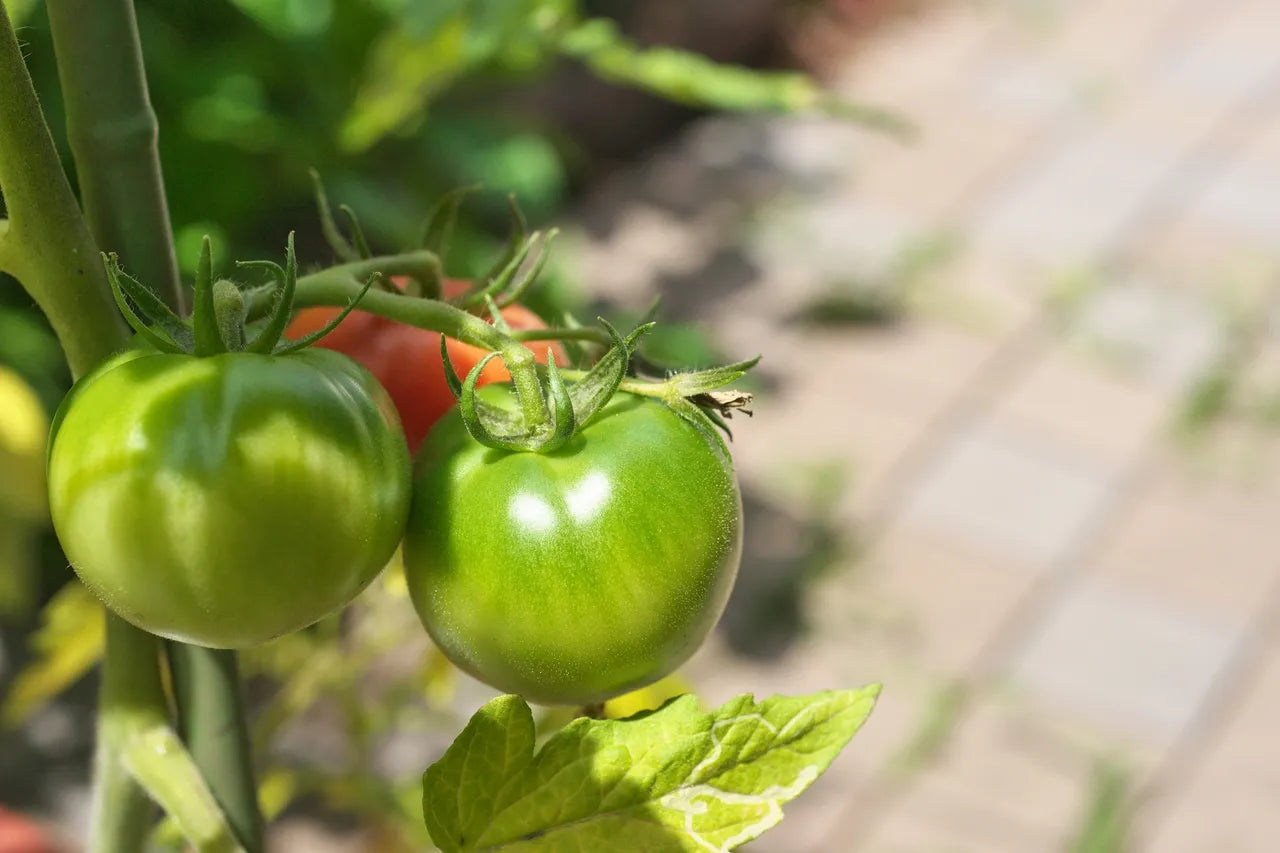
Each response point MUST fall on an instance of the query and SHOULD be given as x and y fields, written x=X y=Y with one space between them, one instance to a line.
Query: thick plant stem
x=46 y=245
x=132 y=700
x=206 y=683
x=113 y=134
x=113 y=131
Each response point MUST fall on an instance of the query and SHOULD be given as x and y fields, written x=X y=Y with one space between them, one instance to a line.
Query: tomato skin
x=578 y=575
x=227 y=500
x=406 y=359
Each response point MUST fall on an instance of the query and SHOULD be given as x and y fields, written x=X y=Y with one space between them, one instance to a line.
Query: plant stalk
x=339 y=285
x=131 y=700
x=206 y=683
x=46 y=245
x=113 y=133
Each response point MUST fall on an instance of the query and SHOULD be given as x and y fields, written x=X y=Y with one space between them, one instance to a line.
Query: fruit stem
x=206 y=685
x=337 y=286
x=131 y=699
x=47 y=245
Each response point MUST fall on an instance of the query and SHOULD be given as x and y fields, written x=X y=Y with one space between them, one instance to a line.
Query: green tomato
x=227 y=500
x=574 y=576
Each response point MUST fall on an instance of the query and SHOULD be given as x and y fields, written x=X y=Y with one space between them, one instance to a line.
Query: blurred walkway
x=1058 y=417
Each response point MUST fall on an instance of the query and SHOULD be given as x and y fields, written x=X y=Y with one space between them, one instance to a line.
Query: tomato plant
x=569 y=537
x=573 y=576
x=406 y=359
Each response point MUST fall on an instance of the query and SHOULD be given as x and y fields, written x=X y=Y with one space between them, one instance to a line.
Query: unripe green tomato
x=574 y=576
x=227 y=500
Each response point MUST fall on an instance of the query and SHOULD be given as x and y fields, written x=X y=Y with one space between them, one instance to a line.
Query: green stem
x=131 y=700
x=46 y=245
x=113 y=134
x=206 y=683
x=579 y=333
x=338 y=286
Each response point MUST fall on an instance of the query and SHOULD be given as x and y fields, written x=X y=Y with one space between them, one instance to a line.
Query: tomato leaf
x=67 y=644
x=676 y=779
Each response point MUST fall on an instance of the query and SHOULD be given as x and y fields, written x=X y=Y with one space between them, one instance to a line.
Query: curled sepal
x=701 y=420
x=495 y=316
x=204 y=314
x=563 y=421
x=357 y=233
x=469 y=407
x=284 y=346
x=271 y=334
x=491 y=414
x=594 y=390
x=519 y=230
x=332 y=235
x=437 y=231
x=517 y=290
x=503 y=279
x=117 y=279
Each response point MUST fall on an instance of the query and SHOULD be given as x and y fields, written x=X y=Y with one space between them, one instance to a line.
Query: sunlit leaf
x=67 y=644
x=676 y=779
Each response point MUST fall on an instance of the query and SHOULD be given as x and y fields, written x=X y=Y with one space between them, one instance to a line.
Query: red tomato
x=21 y=835
x=406 y=360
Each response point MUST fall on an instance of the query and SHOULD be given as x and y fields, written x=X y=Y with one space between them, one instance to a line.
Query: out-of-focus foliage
x=68 y=642
x=23 y=506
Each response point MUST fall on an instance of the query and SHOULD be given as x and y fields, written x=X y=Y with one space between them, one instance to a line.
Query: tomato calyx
x=570 y=406
x=219 y=317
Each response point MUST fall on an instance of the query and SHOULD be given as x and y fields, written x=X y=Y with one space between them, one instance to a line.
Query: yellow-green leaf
x=67 y=644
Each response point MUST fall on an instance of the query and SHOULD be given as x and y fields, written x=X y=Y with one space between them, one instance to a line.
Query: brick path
x=1047 y=581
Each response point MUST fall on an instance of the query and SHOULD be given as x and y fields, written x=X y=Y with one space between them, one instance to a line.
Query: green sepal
x=153 y=308
x=230 y=309
x=469 y=408
x=278 y=320
x=505 y=420
x=563 y=422
x=150 y=335
x=519 y=230
x=522 y=284
x=701 y=381
x=503 y=279
x=284 y=346
x=495 y=315
x=328 y=227
x=204 y=315
x=437 y=231
x=594 y=390
x=701 y=420
x=357 y=233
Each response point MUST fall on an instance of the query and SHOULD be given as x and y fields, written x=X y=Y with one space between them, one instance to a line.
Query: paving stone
x=1168 y=336
x=1074 y=206
x=1120 y=657
x=1215 y=557
x=1226 y=804
x=1025 y=762
x=836 y=237
x=964 y=146
x=1009 y=492
x=1085 y=403
x=927 y=823
x=888 y=69
x=1232 y=57
x=933 y=603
